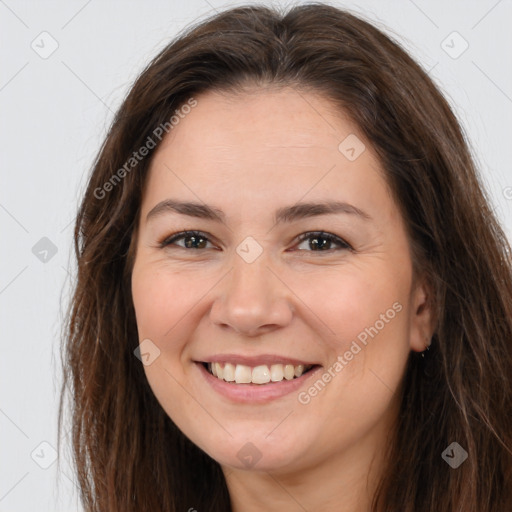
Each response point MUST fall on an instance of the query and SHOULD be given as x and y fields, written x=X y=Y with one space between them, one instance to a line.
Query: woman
x=292 y=292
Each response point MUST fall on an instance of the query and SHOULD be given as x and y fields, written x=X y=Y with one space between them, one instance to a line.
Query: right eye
x=192 y=240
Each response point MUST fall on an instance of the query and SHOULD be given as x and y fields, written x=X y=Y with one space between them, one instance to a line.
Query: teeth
x=262 y=374
x=243 y=374
x=289 y=371
x=229 y=372
x=276 y=372
x=299 y=370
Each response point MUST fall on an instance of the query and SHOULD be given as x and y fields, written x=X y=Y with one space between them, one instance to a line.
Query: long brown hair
x=129 y=456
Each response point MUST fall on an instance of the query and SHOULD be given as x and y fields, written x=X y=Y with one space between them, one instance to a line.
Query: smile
x=261 y=374
x=256 y=383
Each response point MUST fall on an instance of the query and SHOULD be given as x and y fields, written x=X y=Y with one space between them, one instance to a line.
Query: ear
x=422 y=320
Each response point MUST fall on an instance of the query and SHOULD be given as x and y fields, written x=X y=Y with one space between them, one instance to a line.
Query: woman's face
x=247 y=293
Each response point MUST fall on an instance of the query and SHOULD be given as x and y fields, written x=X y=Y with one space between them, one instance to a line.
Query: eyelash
x=305 y=236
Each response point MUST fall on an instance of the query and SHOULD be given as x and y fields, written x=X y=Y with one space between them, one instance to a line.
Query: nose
x=251 y=299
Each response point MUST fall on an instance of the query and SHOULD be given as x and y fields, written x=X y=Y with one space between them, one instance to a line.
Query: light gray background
x=54 y=115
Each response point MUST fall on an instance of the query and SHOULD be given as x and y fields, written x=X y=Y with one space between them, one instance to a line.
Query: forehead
x=266 y=146
x=261 y=120
x=274 y=127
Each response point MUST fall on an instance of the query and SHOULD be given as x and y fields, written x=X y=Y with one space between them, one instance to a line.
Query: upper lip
x=267 y=359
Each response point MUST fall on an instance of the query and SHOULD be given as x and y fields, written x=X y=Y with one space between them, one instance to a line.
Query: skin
x=249 y=155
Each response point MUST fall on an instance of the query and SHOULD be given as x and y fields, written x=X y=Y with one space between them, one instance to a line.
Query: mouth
x=255 y=380
x=259 y=375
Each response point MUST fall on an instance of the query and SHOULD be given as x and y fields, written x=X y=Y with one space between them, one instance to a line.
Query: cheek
x=360 y=305
x=163 y=302
x=367 y=354
x=161 y=299
x=367 y=309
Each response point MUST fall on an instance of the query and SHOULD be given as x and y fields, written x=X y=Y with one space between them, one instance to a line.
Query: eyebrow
x=285 y=214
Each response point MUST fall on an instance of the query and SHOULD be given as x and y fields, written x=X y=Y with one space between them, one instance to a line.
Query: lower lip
x=255 y=393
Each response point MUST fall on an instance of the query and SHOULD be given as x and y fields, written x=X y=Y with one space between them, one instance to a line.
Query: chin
x=257 y=451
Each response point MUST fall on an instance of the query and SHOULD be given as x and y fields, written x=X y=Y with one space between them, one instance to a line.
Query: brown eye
x=192 y=240
x=320 y=241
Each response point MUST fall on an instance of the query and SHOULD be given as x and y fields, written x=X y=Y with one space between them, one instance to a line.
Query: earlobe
x=422 y=317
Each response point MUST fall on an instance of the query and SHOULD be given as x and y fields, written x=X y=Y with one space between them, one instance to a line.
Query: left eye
x=319 y=241
x=323 y=241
